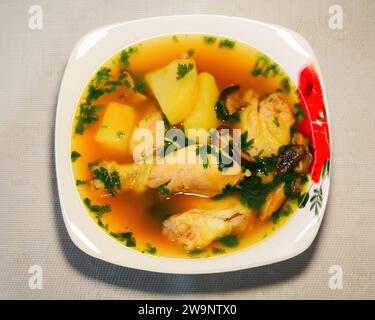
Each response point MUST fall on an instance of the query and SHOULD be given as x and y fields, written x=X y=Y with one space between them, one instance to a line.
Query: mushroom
x=288 y=158
x=230 y=101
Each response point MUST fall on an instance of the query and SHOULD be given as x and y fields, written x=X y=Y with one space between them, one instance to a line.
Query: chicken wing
x=197 y=228
x=178 y=174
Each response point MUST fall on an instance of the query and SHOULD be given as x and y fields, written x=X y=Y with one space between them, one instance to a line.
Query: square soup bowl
x=290 y=50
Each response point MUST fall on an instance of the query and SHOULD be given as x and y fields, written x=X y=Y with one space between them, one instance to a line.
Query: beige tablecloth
x=32 y=231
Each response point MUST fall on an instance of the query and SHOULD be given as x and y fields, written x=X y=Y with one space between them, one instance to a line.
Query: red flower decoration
x=315 y=124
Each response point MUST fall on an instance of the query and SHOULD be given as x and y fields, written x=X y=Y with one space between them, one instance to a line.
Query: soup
x=187 y=146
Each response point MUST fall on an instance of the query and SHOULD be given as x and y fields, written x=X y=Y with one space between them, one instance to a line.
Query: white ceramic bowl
x=290 y=50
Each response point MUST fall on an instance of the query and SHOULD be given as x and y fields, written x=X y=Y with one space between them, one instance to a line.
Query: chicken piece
x=132 y=176
x=149 y=123
x=274 y=201
x=267 y=123
x=197 y=228
x=184 y=171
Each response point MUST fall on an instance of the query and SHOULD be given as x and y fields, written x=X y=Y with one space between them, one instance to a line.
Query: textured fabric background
x=32 y=229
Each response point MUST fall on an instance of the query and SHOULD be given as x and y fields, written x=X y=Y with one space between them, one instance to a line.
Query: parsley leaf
x=245 y=145
x=230 y=241
x=300 y=111
x=80 y=182
x=209 y=40
x=126 y=54
x=111 y=181
x=126 y=237
x=276 y=122
x=74 y=156
x=97 y=209
x=150 y=249
x=226 y=43
x=264 y=66
x=217 y=250
x=163 y=190
x=183 y=69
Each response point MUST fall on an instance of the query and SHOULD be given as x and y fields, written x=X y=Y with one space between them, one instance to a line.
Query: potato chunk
x=174 y=89
x=116 y=127
x=203 y=115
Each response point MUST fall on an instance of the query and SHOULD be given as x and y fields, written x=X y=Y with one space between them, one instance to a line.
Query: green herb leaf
x=209 y=40
x=226 y=43
x=265 y=67
x=196 y=252
x=150 y=249
x=230 y=241
x=246 y=145
x=74 y=156
x=276 y=122
x=283 y=212
x=163 y=190
x=183 y=69
x=285 y=84
x=126 y=54
x=120 y=135
x=97 y=209
x=215 y=250
x=126 y=237
x=300 y=112
x=111 y=180
x=80 y=182
x=140 y=86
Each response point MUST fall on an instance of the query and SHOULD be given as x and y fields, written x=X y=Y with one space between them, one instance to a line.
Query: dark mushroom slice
x=288 y=158
x=229 y=102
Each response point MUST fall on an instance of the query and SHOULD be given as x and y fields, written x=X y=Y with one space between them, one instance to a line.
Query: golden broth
x=142 y=214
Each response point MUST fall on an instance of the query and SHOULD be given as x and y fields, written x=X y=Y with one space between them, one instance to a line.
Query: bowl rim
x=88 y=241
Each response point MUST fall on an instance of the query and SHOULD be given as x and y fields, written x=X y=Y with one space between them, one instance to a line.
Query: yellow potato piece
x=116 y=127
x=203 y=115
x=176 y=97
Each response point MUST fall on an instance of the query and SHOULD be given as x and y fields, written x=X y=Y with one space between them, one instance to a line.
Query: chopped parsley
x=74 y=156
x=285 y=84
x=183 y=69
x=267 y=164
x=245 y=144
x=126 y=54
x=80 y=182
x=97 y=209
x=163 y=190
x=126 y=237
x=230 y=241
x=174 y=38
x=111 y=180
x=265 y=67
x=226 y=43
x=196 y=252
x=150 y=249
x=140 y=86
x=276 y=121
x=190 y=52
x=300 y=111
x=216 y=250
x=209 y=39
x=234 y=117
x=253 y=193
x=120 y=135
x=227 y=190
x=99 y=85
x=283 y=212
